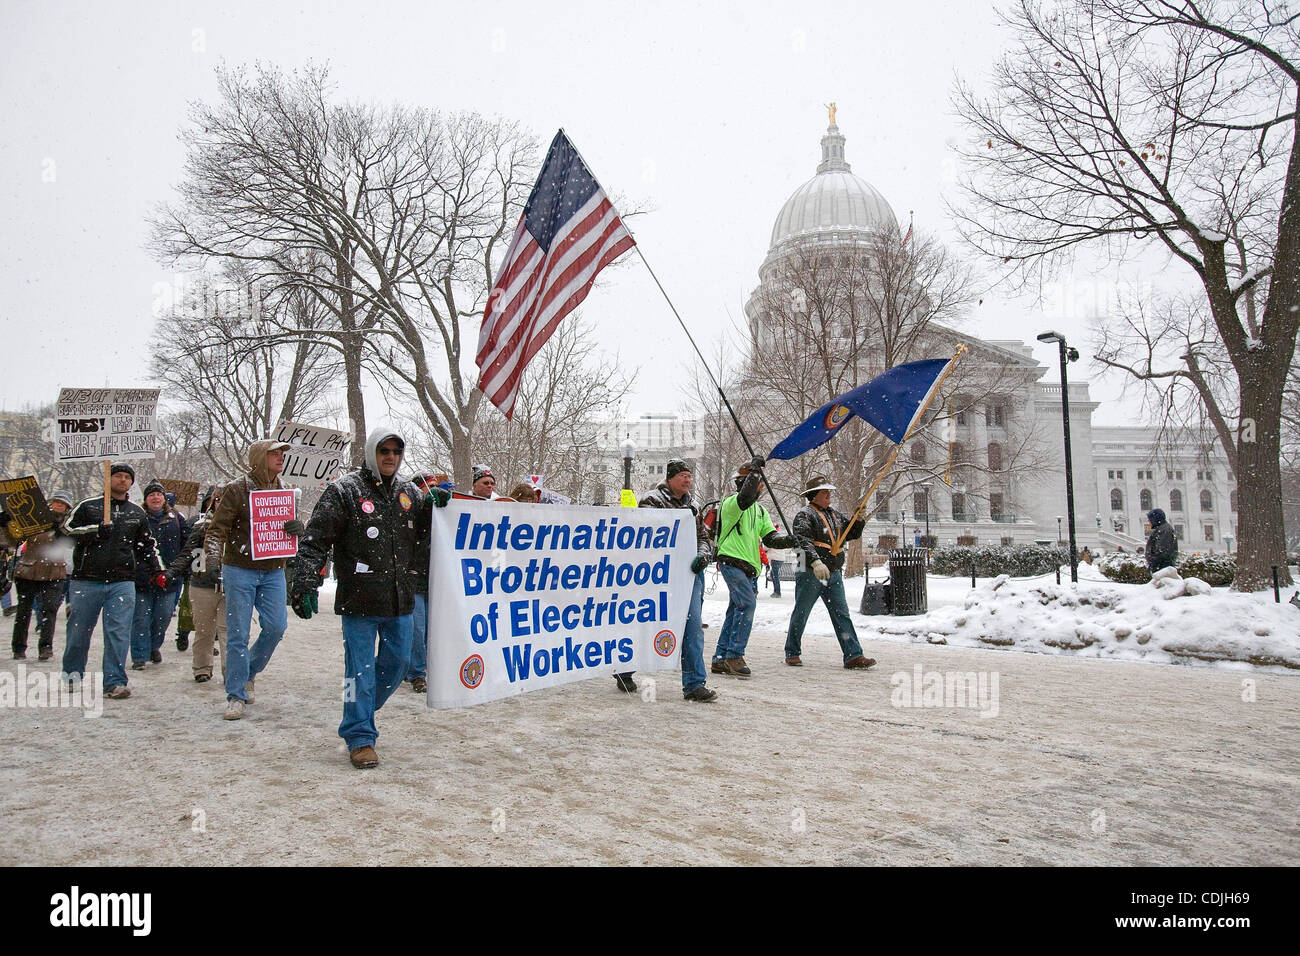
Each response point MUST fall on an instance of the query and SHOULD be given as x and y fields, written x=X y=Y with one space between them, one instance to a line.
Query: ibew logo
x=923 y=688
x=102 y=909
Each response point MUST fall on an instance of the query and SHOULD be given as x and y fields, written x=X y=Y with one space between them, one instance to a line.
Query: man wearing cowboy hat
x=820 y=527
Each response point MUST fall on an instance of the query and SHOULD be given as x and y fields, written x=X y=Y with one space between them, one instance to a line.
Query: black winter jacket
x=114 y=558
x=377 y=530
x=1162 y=547
x=661 y=497
x=169 y=531
x=192 y=563
x=817 y=539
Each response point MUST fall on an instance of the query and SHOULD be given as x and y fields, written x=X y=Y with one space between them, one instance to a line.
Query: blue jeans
x=693 y=639
x=87 y=599
x=776 y=567
x=740 y=614
x=419 y=646
x=245 y=590
x=371 y=678
x=153 y=612
x=807 y=589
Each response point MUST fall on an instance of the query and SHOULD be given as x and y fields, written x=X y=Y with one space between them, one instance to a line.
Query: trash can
x=907 y=580
x=875 y=599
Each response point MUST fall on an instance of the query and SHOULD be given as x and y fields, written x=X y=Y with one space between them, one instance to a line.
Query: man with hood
x=377 y=525
x=154 y=606
x=1162 y=543
x=248 y=583
x=39 y=577
x=206 y=595
x=820 y=526
x=104 y=562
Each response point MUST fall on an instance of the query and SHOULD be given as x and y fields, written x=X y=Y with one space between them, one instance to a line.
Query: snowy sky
x=709 y=114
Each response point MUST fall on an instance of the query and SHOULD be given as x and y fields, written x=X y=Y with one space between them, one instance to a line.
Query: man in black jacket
x=104 y=562
x=820 y=526
x=1162 y=543
x=154 y=605
x=375 y=523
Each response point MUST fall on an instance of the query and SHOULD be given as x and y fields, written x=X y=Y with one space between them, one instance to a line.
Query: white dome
x=834 y=201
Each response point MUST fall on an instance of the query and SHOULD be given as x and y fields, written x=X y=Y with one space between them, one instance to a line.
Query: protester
x=524 y=492
x=248 y=583
x=777 y=559
x=104 y=563
x=207 y=599
x=743 y=524
x=39 y=578
x=1162 y=543
x=417 y=674
x=154 y=605
x=820 y=526
x=675 y=492
x=376 y=524
x=485 y=483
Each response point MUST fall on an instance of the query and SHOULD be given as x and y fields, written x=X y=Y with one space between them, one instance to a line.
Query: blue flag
x=890 y=403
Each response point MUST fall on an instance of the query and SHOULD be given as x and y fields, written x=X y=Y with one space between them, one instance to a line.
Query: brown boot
x=364 y=758
x=859 y=663
x=795 y=661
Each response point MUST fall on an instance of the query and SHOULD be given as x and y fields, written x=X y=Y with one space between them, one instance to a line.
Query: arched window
x=1175 y=500
x=1207 y=501
x=1144 y=499
x=958 y=506
x=1232 y=500
x=920 y=505
x=958 y=452
x=995 y=456
x=1116 y=500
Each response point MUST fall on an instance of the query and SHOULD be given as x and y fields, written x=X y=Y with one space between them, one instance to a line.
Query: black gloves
x=294 y=527
x=304 y=604
x=103 y=532
x=700 y=562
x=757 y=462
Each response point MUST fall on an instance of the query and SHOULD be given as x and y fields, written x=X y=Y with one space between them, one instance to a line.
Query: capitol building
x=964 y=476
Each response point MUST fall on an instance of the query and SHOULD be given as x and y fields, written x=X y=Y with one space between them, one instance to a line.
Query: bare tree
x=1118 y=124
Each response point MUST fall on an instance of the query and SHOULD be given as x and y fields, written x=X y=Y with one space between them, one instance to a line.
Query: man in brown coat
x=39 y=578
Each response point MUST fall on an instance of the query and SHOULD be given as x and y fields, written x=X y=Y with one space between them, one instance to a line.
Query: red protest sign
x=267 y=512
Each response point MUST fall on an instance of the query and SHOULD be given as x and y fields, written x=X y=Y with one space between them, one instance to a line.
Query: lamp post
x=1058 y=530
x=902 y=524
x=629 y=449
x=1067 y=355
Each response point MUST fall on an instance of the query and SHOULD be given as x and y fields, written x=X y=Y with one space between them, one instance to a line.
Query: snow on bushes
x=991 y=561
x=1214 y=569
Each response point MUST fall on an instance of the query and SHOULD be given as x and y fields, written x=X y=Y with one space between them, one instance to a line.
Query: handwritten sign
x=99 y=424
x=317 y=457
x=21 y=498
x=186 y=492
x=267 y=512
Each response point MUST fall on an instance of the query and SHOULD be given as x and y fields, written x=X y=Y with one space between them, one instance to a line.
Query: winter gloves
x=439 y=497
x=700 y=563
x=823 y=573
x=757 y=462
x=294 y=527
x=305 y=604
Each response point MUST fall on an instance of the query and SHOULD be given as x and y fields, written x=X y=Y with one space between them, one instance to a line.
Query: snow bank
x=1171 y=619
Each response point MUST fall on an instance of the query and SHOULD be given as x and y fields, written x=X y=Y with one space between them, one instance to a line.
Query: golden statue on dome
x=830 y=108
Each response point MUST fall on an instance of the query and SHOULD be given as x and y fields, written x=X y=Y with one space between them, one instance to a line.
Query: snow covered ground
x=1082 y=756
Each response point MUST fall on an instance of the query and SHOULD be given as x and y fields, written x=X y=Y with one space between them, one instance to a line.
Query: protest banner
x=186 y=492
x=317 y=457
x=105 y=424
x=22 y=500
x=268 y=510
x=523 y=598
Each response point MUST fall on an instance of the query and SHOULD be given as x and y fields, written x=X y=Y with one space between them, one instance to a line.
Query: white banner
x=528 y=596
x=317 y=457
x=94 y=424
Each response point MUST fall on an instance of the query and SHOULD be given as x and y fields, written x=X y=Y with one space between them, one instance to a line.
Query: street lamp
x=629 y=449
x=1067 y=355
x=902 y=524
x=1058 y=530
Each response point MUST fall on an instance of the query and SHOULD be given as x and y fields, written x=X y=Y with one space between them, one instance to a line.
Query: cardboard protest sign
x=268 y=510
x=22 y=499
x=317 y=457
x=523 y=598
x=186 y=492
x=102 y=424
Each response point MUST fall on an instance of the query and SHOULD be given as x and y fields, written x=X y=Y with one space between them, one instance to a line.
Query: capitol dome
x=834 y=204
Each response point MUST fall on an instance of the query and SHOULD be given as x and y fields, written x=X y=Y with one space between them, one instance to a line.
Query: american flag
x=569 y=232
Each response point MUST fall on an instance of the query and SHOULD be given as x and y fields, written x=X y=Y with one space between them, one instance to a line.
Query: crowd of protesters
x=130 y=570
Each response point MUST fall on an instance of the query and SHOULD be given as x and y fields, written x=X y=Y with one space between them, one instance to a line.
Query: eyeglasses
x=388 y=451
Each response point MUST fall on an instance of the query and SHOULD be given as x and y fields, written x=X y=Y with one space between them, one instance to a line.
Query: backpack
x=709 y=517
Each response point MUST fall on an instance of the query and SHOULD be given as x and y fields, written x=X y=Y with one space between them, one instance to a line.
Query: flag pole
x=916 y=424
x=723 y=395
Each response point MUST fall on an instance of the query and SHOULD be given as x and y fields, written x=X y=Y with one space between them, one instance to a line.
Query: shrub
x=1215 y=569
x=1123 y=567
x=991 y=561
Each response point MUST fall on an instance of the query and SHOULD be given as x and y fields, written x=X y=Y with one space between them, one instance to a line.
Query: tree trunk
x=461 y=466
x=1261 y=534
x=356 y=401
